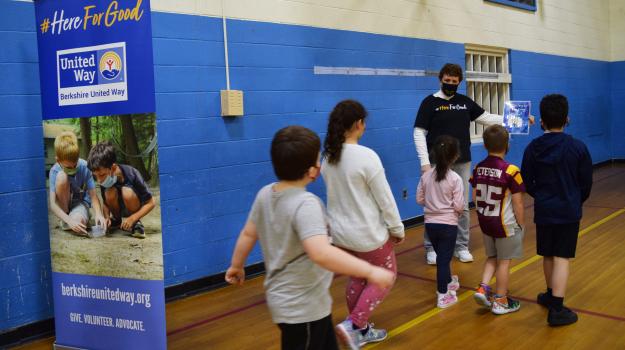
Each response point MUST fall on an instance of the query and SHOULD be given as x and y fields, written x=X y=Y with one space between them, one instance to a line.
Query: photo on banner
x=135 y=252
x=101 y=161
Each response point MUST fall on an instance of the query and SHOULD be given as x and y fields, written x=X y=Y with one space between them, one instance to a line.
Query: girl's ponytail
x=446 y=151
x=342 y=118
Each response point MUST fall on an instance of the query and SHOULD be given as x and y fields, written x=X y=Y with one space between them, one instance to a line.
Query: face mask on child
x=70 y=171
x=109 y=181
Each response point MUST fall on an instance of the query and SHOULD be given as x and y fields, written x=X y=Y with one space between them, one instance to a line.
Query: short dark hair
x=554 y=109
x=102 y=155
x=496 y=138
x=294 y=150
x=450 y=69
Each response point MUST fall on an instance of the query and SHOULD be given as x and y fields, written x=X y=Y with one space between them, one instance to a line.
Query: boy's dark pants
x=443 y=238
x=315 y=335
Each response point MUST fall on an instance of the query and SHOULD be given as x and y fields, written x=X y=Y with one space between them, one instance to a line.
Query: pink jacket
x=444 y=200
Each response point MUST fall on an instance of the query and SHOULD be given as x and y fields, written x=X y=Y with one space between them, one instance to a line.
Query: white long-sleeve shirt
x=419 y=134
x=361 y=208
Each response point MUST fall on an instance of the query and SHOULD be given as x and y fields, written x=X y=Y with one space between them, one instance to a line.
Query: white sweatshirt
x=361 y=209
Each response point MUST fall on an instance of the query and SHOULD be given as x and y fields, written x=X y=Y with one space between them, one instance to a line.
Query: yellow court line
x=581 y=233
x=429 y=314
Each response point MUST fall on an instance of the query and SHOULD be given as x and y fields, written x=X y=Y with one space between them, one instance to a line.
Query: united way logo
x=93 y=74
x=110 y=65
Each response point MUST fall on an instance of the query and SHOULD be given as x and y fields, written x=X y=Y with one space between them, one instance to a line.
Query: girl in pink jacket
x=440 y=191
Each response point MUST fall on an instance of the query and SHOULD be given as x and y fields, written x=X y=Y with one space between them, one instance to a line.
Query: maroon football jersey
x=495 y=180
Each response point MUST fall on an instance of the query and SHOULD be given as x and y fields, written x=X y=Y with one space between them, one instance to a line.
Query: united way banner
x=101 y=161
x=95 y=57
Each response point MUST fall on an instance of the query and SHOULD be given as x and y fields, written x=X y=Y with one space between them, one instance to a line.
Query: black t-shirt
x=451 y=117
x=134 y=180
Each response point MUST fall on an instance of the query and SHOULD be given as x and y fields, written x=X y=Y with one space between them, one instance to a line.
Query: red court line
x=215 y=318
x=247 y=307
x=582 y=311
x=409 y=249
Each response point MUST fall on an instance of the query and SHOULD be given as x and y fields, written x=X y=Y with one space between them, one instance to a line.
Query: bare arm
x=97 y=208
x=75 y=225
x=322 y=253
x=143 y=211
x=518 y=209
x=245 y=243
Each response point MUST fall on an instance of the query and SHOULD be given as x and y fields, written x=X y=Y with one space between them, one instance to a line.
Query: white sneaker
x=463 y=255
x=446 y=300
x=454 y=285
x=430 y=257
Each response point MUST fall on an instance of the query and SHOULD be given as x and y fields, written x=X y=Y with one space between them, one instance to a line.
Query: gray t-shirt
x=296 y=288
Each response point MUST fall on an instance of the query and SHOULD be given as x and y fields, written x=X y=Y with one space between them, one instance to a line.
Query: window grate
x=488 y=81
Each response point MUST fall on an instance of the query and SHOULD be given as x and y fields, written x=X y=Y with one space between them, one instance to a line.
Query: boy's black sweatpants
x=315 y=335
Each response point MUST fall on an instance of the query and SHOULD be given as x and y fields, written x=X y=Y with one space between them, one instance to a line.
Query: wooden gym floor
x=237 y=317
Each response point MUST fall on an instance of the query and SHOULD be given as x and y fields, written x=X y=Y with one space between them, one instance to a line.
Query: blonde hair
x=66 y=147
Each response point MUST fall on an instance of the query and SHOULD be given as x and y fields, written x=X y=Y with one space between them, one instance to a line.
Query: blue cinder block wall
x=582 y=81
x=617 y=112
x=211 y=167
x=25 y=249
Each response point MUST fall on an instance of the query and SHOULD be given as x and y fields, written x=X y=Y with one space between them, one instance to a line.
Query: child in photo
x=72 y=190
x=127 y=198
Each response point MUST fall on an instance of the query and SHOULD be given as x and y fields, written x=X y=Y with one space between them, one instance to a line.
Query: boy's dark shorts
x=557 y=239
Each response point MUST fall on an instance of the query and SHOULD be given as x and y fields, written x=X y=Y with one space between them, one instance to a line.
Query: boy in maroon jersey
x=498 y=193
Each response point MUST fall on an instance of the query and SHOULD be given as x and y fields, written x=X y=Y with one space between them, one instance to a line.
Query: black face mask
x=449 y=89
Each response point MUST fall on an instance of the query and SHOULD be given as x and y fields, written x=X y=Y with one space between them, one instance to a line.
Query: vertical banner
x=101 y=154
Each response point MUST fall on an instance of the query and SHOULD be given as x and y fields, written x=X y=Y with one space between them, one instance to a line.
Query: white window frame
x=488 y=79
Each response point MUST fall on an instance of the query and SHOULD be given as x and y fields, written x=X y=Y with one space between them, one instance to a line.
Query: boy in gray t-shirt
x=291 y=226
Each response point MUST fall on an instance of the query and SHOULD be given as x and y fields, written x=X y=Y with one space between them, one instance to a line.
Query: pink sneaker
x=454 y=285
x=446 y=300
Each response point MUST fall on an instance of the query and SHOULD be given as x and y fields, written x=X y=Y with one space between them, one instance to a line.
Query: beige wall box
x=231 y=103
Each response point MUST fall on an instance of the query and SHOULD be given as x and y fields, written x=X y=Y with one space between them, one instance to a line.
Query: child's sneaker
x=543 y=299
x=372 y=335
x=464 y=255
x=349 y=336
x=430 y=257
x=115 y=224
x=504 y=305
x=138 y=231
x=483 y=296
x=454 y=285
x=563 y=317
x=446 y=300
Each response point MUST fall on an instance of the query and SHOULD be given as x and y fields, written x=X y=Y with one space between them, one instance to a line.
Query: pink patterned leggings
x=363 y=298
